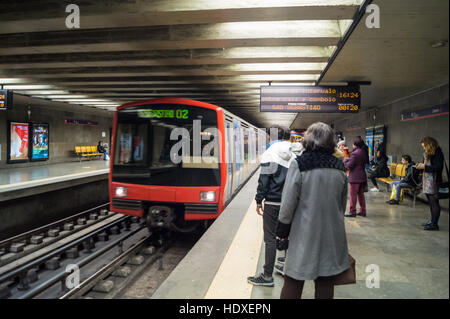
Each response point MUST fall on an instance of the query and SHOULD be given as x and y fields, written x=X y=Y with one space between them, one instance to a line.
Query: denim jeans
x=398 y=185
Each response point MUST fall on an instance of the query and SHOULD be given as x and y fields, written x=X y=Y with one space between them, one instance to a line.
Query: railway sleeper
x=104 y=286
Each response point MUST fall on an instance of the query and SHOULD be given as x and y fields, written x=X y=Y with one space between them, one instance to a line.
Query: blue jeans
x=398 y=185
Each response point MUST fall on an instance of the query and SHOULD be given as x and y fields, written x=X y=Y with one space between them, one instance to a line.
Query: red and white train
x=157 y=171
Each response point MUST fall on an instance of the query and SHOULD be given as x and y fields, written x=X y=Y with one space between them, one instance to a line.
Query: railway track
x=68 y=262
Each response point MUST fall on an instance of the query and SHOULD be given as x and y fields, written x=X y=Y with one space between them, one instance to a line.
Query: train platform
x=412 y=263
x=27 y=181
x=33 y=196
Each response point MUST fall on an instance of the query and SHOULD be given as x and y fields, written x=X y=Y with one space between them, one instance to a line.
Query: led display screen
x=310 y=99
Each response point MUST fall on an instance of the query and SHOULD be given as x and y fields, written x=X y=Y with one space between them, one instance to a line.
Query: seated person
x=410 y=180
x=378 y=169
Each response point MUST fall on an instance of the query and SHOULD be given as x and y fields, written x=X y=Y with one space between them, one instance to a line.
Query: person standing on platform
x=311 y=219
x=432 y=177
x=274 y=166
x=357 y=177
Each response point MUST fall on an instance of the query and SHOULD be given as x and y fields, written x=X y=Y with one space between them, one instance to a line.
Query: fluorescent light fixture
x=47 y=92
x=278 y=52
x=62 y=96
x=277 y=66
x=82 y=100
x=13 y=80
x=269 y=29
x=268 y=77
x=28 y=87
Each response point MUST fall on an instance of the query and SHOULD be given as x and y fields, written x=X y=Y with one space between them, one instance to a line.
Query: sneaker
x=427 y=223
x=350 y=215
x=279 y=269
x=374 y=189
x=261 y=281
x=281 y=260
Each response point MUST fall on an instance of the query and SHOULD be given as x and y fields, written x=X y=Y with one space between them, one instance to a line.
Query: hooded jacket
x=274 y=166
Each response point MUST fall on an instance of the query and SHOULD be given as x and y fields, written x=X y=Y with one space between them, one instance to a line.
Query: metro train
x=178 y=162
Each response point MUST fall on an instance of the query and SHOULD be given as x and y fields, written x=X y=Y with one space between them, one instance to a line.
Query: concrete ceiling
x=397 y=58
x=217 y=51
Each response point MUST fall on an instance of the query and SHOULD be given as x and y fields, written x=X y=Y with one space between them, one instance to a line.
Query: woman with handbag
x=432 y=178
x=311 y=215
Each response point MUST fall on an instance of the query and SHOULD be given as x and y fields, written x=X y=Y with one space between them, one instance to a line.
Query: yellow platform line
x=240 y=261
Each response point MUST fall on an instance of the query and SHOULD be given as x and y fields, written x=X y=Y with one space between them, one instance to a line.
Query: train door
x=237 y=178
x=229 y=160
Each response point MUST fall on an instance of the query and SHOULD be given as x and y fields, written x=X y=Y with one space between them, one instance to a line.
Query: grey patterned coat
x=312 y=215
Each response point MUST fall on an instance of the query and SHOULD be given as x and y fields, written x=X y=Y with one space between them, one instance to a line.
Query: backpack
x=417 y=176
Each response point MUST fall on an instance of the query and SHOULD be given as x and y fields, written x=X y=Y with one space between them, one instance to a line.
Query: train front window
x=146 y=136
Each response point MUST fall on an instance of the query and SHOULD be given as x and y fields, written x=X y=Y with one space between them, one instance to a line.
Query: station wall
x=62 y=137
x=404 y=137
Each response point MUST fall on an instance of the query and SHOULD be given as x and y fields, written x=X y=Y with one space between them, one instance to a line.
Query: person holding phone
x=432 y=177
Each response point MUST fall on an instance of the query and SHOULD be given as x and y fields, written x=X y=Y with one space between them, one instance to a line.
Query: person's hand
x=259 y=210
x=420 y=166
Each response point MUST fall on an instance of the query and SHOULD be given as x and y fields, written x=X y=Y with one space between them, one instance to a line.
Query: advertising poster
x=40 y=140
x=18 y=143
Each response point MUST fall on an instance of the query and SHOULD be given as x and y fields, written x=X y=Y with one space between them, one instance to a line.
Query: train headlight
x=121 y=192
x=208 y=196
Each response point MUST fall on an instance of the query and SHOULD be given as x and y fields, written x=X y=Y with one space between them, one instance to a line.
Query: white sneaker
x=374 y=189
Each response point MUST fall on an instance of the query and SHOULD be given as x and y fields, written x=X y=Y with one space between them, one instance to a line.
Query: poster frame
x=30 y=147
x=8 y=151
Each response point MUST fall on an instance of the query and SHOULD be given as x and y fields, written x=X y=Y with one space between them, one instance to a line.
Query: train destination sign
x=310 y=99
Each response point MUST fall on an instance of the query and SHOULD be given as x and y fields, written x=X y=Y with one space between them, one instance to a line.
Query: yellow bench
x=398 y=171
x=87 y=152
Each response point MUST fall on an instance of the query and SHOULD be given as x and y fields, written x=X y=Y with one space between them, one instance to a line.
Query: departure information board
x=310 y=99
x=5 y=99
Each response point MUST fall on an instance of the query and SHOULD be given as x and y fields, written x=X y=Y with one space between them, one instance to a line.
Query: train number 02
x=182 y=114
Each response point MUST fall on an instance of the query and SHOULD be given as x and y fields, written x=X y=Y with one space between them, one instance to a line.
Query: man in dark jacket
x=408 y=181
x=274 y=166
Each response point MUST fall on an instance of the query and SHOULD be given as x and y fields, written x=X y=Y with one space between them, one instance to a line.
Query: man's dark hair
x=407 y=158
x=283 y=133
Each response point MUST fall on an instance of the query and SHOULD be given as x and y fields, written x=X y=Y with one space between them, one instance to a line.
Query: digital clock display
x=310 y=99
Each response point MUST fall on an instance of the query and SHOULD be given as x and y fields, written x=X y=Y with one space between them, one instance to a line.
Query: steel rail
x=42 y=259
x=24 y=236
x=63 y=274
x=90 y=282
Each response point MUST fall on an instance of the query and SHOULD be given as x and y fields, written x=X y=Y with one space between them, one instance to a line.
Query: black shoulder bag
x=443 y=186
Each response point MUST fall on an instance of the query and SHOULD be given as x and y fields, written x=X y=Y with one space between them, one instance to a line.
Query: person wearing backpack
x=411 y=179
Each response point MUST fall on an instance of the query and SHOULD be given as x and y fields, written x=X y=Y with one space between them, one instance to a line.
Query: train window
x=144 y=145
